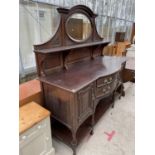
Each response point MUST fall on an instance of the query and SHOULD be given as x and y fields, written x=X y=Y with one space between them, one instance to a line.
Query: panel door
x=85 y=103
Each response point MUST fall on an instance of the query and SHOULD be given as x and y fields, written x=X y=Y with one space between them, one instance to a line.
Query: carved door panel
x=85 y=103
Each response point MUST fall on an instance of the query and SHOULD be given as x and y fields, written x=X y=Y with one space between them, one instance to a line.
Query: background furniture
x=117 y=49
x=133 y=33
x=34 y=130
x=120 y=48
x=120 y=37
x=74 y=74
x=109 y=50
x=30 y=91
x=129 y=70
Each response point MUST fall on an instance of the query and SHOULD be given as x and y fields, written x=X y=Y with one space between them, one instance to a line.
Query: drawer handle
x=108 y=87
x=105 y=80
x=104 y=90
x=110 y=78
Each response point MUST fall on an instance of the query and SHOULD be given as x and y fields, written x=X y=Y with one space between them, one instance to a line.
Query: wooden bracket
x=64 y=56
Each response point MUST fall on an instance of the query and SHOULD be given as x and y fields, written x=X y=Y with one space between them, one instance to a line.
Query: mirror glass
x=78 y=27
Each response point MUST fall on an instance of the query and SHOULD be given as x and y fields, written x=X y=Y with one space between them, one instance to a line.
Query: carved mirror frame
x=61 y=37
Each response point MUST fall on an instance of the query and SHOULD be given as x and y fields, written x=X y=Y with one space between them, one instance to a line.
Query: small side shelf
x=66 y=50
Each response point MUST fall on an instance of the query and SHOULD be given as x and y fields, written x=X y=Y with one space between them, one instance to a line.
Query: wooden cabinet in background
x=117 y=49
x=30 y=91
x=120 y=37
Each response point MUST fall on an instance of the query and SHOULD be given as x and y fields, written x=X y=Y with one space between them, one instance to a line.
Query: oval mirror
x=78 y=27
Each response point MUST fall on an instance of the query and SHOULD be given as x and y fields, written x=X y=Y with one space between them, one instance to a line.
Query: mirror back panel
x=72 y=41
x=62 y=37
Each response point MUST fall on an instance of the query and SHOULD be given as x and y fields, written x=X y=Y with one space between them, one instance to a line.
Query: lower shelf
x=63 y=134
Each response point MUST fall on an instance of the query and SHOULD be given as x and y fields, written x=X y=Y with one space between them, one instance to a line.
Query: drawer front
x=106 y=85
x=105 y=80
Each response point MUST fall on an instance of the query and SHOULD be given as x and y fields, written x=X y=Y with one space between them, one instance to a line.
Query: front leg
x=122 y=90
x=74 y=142
x=92 y=124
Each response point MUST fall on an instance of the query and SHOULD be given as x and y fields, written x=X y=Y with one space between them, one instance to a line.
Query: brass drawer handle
x=110 y=78
x=104 y=90
x=109 y=87
x=105 y=80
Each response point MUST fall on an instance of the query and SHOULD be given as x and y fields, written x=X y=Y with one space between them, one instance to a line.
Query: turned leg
x=123 y=93
x=92 y=124
x=120 y=96
x=122 y=90
x=74 y=142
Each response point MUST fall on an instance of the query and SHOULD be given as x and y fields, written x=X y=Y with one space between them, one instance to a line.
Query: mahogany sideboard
x=73 y=72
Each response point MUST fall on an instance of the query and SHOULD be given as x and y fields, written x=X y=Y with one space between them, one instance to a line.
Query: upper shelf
x=65 y=48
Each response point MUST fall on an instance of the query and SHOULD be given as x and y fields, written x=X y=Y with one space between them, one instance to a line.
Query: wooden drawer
x=106 y=85
x=103 y=90
x=104 y=81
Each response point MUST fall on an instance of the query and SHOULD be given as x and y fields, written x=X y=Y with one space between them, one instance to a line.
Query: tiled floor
x=118 y=121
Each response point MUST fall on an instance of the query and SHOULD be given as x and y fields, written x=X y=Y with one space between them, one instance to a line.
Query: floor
x=113 y=134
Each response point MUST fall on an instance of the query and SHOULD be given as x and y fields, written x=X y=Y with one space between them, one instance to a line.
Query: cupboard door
x=85 y=103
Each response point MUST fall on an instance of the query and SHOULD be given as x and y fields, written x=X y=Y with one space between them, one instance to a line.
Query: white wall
x=35 y=29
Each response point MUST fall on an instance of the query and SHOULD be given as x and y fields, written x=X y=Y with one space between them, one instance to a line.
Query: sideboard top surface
x=83 y=73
